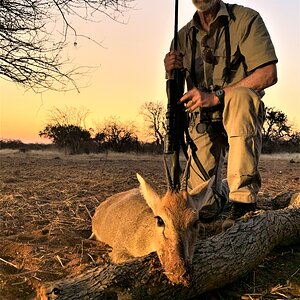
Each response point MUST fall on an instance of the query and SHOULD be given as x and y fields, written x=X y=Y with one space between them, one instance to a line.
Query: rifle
x=176 y=131
x=175 y=116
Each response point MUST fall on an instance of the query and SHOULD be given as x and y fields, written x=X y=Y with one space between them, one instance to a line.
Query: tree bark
x=218 y=260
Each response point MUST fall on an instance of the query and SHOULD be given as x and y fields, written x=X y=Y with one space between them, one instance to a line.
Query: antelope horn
x=185 y=176
x=169 y=179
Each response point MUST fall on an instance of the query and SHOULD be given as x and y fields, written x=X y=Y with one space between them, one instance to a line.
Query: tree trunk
x=218 y=260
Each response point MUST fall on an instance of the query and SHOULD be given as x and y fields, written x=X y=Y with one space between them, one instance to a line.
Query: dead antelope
x=137 y=222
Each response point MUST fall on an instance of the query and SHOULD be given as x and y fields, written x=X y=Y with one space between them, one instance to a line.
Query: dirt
x=47 y=200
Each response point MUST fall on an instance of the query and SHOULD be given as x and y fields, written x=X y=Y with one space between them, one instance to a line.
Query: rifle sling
x=194 y=149
x=220 y=199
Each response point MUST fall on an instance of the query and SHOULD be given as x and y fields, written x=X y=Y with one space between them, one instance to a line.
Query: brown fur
x=126 y=221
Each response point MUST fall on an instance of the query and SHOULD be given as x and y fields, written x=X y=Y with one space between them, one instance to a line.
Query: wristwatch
x=220 y=94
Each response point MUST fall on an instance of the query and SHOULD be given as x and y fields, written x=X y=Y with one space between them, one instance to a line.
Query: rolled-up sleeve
x=255 y=44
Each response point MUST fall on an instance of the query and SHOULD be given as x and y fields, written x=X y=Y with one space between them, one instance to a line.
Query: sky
x=128 y=68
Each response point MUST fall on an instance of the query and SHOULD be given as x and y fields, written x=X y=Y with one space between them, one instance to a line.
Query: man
x=228 y=59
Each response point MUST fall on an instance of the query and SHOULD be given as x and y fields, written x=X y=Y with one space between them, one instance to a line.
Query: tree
x=116 y=135
x=68 y=116
x=66 y=128
x=31 y=49
x=278 y=134
x=70 y=137
x=154 y=116
x=276 y=125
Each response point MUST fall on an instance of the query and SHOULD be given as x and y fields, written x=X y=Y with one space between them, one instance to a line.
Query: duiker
x=137 y=222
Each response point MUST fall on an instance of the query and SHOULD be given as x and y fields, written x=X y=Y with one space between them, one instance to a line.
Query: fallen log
x=218 y=260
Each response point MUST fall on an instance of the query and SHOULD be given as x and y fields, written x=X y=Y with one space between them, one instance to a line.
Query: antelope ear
x=151 y=197
x=202 y=194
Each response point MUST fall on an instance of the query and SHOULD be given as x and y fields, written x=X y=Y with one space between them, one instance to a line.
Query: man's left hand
x=195 y=98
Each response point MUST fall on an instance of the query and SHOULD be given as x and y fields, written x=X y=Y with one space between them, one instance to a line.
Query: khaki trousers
x=242 y=120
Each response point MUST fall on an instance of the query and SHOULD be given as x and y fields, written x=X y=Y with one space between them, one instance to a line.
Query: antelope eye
x=160 y=222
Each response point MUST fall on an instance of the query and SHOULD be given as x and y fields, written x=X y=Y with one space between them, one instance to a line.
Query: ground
x=47 y=200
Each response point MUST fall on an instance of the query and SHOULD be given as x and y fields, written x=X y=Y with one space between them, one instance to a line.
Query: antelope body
x=137 y=222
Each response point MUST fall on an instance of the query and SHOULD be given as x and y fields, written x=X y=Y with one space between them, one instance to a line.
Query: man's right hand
x=173 y=60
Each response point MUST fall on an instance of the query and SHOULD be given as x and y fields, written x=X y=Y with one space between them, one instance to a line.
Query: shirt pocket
x=235 y=63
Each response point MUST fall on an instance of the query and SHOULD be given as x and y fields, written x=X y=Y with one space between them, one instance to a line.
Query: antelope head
x=177 y=225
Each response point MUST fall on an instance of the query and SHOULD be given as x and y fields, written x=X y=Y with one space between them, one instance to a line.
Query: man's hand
x=173 y=60
x=195 y=98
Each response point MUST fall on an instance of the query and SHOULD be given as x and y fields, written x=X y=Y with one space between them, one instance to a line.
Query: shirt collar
x=222 y=12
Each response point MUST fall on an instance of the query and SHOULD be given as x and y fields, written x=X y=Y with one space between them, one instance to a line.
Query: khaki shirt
x=250 y=44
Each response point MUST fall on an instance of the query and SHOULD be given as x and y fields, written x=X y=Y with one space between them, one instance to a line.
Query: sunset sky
x=129 y=67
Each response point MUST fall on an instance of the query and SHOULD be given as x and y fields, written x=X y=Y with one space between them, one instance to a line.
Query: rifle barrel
x=175 y=45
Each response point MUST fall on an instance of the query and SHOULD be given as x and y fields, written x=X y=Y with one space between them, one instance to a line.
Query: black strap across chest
x=227 y=69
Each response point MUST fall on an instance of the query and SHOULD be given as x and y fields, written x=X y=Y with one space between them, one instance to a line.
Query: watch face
x=219 y=93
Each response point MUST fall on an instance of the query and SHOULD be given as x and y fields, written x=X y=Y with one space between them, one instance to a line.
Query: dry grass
x=47 y=200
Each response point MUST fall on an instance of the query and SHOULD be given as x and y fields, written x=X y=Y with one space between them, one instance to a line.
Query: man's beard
x=205 y=6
